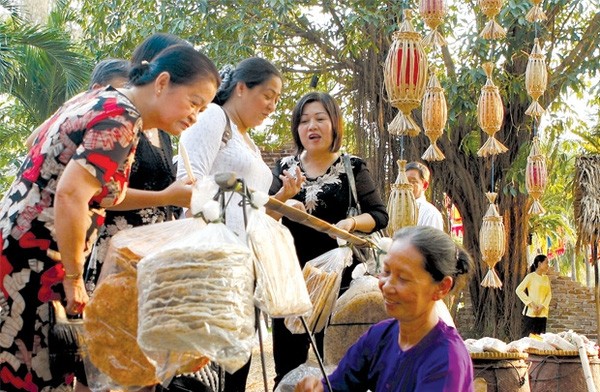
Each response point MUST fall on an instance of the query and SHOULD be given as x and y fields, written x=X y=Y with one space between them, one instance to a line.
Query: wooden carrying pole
x=309 y=220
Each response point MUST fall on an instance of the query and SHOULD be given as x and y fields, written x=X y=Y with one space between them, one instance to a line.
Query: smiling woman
x=414 y=350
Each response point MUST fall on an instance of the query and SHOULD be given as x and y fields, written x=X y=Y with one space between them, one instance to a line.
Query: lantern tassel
x=433 y=153
x=404 y=125
x=535 y=109
x=492 y=280
x=434 y=39
x=536 y=208
x=536 y=14
x=493 y=30
x=492 y=147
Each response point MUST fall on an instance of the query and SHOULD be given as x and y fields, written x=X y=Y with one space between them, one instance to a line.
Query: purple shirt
x=439 y=362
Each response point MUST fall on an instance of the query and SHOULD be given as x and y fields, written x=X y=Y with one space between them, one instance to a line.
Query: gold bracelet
x=353 y=224
x=74 y=276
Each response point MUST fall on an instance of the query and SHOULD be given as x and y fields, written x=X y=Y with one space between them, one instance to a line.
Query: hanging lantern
x=492 y=30
x=492 y=241
x=536 y=79
x=536 y=13
x=402 y=207
x=405 y=76
x=435 y=115
x=490 y=114
x=433 y=13
x=536 y=176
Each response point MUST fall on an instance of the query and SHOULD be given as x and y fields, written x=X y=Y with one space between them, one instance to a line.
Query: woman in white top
x=219 y=141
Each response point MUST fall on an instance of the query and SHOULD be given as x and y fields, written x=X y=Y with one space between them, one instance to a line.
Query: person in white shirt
x=418 y=175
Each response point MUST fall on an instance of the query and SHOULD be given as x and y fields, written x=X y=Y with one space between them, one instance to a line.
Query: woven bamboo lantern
x=435 y=115
x=402 y=208
x=490 y=114
x=492 y=241
x=433 y=13
x=405 y=76
x=536 y=176
x=536 y=79
x=491 y=8
x=536 y=13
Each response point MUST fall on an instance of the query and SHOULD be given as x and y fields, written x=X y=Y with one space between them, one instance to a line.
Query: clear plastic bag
x=280 y=287
x=323 y=277
x=195 y=298
x=289 y=381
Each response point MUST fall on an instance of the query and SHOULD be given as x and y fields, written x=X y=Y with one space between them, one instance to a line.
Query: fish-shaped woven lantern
x=433 y=13
x=402 y=207
x=490 y=114
x=491 y=8
x=536 y=13
x=492 y=241
x=435 y=115
x=536 y=79
x=536 y=176
x=405 y=77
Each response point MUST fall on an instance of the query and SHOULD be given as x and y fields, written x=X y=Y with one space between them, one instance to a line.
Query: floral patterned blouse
x=99 y=130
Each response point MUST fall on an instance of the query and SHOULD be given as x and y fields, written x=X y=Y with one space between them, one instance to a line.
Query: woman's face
x=543 y=266
x=315 y=128
x=258 y=102
x=409 y=292
x=179 y=104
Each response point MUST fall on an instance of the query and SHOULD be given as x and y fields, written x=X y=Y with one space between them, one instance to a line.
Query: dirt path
x=255 y=378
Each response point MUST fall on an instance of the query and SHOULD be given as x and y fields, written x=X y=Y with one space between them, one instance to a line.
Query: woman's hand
x=178 y=193
x=291 y=184
x=348 y=224
x=309 y=384
x=76 y=295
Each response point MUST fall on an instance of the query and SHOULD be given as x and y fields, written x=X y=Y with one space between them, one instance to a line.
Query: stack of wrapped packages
x=173 y=296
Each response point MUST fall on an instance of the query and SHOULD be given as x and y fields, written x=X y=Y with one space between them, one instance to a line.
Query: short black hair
x=108 y=69
x=421 y=168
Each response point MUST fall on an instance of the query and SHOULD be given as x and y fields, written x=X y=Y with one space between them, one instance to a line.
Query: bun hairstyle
x=153 y=45
x=184 y=64
x=442 y=256
x=334 y=112
x=252 y=72
x=536 y=262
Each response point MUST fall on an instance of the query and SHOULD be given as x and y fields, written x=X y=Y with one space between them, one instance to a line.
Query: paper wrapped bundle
x=536 y=79
x=536 y=13
x=402 y=208
x=536 y=176
x=435 y=115
x=405 y=77
x=490 y=114
x=355 y=311
x=433 y=13
x=492 y=241
x=491 y=8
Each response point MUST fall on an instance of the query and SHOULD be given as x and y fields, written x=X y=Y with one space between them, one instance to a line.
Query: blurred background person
x=418 y=175
x=535 y=292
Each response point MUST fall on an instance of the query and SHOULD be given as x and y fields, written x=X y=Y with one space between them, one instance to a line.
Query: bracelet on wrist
x=353 y=224
x=74 y=276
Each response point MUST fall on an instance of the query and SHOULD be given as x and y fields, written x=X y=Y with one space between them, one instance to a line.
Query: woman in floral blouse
x=78 y=166
x=317 y=128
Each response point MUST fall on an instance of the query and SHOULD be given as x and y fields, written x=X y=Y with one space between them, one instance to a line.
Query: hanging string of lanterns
x=435 y=115
x=492 y=241
x=402 y=208
x=491 y=8
x=405 y=77
x=433 y=13
x=536 y=176
x=536 y=79
x=536 y=13
x=490 y=114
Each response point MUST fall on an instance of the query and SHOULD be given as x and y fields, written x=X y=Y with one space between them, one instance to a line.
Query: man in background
x=418 y=175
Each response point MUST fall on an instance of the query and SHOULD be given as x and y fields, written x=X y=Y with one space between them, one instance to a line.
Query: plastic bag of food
x=280 y=288
x=323 y=276
x=195 y=298
x=289 y=381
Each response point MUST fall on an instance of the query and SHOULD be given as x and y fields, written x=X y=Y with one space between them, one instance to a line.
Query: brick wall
x=270 y=157
x=572 y=307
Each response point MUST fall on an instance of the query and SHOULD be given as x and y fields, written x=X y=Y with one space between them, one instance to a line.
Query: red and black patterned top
x=99 y=130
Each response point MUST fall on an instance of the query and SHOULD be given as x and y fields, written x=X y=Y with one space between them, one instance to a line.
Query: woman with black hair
x=535 y=292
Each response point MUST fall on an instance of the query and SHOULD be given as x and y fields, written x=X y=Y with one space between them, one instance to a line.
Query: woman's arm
x=374 y=212
x=177 y=194
x=73 y=192
x=520 y=291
